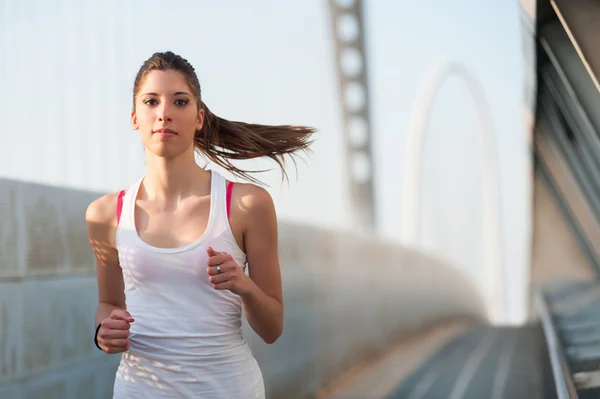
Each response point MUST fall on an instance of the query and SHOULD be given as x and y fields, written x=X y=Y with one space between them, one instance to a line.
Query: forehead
x=164 y=82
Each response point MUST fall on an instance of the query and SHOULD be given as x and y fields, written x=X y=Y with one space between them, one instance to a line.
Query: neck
x=173 y=177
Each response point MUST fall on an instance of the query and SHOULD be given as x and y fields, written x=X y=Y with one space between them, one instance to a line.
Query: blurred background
x=440 y=240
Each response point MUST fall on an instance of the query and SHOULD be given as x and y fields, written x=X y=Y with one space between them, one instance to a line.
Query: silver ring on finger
x=219 y=271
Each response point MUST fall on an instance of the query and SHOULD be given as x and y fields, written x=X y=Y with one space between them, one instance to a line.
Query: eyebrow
x=176 y=94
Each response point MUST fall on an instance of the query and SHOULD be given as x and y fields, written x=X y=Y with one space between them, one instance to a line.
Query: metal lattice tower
x=351 y=62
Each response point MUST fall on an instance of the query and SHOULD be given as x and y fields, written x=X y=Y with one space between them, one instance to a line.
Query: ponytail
x=222 y=140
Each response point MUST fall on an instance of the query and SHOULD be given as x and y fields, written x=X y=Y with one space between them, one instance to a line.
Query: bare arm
x=263 y=300
x=101 y=226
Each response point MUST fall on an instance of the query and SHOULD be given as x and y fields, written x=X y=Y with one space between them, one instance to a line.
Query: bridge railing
x=563 y=380
x=570 y=316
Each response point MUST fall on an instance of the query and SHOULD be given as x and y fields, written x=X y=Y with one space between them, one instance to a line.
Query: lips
x=166 y=132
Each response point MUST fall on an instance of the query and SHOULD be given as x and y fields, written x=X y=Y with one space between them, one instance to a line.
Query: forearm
x=264 y=313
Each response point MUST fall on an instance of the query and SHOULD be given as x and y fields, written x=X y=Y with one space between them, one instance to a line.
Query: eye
x=150 y=102
x=181 y=102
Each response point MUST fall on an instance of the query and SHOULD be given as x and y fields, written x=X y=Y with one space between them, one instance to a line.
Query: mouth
x=166 y=132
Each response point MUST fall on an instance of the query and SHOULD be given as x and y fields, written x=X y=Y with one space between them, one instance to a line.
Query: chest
x=172 y=226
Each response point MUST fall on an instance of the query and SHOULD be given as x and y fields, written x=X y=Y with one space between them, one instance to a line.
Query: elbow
x=273 y=335
x=272 y=338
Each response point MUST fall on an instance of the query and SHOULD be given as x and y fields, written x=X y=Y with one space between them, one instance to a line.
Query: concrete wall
x=48 y=297
x=346 y=296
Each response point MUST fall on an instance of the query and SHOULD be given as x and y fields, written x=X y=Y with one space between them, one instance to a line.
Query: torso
x=185 y=332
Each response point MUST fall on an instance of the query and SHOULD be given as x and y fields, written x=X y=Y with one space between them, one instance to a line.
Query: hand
x=113 y=335
x=232 y=276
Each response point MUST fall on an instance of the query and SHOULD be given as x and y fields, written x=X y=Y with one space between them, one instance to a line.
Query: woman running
x=172 y=249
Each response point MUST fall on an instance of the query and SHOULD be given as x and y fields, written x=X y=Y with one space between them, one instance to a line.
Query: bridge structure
x=556 y=352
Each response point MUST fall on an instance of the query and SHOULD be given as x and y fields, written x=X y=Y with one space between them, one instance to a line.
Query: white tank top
x=186 y=340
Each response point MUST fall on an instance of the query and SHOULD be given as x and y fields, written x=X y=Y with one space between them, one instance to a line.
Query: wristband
x=96 y=337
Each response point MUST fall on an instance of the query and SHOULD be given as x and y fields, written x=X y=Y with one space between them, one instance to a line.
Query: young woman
x=172 y=249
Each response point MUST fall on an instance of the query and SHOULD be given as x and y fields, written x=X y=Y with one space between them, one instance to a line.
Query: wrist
x=249 y=289
x=96 y=336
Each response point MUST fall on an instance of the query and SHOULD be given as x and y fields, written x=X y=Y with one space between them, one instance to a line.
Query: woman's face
x=166 y=114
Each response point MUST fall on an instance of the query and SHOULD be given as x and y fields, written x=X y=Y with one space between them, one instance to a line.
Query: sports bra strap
x=229 y=190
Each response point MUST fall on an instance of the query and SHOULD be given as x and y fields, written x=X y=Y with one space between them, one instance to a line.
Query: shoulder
x=252 y=199
x=102 y=211
x=258 y=221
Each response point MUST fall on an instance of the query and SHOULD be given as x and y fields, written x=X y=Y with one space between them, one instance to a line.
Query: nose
x=164 y=113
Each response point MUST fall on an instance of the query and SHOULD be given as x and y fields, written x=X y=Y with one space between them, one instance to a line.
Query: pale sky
x=68 y=66
x=72 y=64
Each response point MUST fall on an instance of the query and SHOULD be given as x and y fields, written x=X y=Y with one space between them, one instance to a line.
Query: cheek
x=144 y=117
x=190 y=121
x=191 y=117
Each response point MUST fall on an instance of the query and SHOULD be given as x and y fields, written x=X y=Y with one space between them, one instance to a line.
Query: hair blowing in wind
x=221 y=140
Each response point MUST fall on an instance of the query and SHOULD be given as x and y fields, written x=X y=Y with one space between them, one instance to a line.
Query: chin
x=166 y=151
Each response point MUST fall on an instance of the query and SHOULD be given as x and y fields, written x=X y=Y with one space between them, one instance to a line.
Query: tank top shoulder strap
x=125 y=204
x=219 y=193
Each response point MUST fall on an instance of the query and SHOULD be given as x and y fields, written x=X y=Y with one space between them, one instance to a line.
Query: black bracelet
x=96 y=337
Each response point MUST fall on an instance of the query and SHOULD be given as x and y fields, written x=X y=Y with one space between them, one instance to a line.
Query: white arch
x=494 y=289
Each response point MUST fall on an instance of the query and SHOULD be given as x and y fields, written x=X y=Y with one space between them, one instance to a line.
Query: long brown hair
x=222 y=140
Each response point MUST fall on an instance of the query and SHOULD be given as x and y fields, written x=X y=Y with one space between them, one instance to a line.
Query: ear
x=134 y=123
x=200 y=119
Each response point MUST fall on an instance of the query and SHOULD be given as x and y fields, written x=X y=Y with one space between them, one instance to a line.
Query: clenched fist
x=113 y=335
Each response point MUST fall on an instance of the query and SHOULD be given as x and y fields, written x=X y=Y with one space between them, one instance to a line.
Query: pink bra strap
x=120 y=205
x=229 y=190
